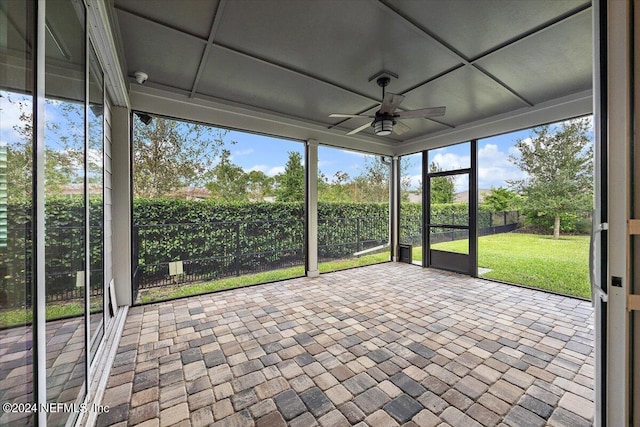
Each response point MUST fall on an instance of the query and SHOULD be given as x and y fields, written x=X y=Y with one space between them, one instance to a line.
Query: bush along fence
x=64 y=252
x=177 y=241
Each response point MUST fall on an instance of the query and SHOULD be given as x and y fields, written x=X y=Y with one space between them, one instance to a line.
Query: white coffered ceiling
x=282 y=66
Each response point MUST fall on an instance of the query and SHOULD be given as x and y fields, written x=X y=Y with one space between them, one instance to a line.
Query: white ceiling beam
x=170 y=102
x=578 y=104
x=104 y=44
x=217 y=19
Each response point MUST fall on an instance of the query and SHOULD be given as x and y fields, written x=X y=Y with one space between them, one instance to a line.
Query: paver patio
x=384 y=345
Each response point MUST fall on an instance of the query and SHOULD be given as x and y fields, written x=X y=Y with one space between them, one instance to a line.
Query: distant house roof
x=463 y=196
x=191 y=193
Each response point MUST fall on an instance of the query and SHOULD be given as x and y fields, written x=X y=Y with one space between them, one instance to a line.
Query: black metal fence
x=342 y=237
x=214 y=250
x=488 y=223
x=210 y=250
x=64 y=258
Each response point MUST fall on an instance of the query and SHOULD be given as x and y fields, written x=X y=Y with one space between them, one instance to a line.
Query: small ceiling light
x=383 y=127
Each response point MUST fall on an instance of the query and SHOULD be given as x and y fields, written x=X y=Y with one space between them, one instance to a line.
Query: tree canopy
x=558 y=161
x=442 y=187
x=170 y=154
x=501 y=199
x=63 y=149
x=291 y=183
x=229 y=181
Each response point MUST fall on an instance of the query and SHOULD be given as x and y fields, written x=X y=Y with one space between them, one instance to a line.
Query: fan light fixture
x=387 y=117
x=383 y=127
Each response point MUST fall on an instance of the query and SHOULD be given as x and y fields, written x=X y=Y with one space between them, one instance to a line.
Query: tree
x=291 y=182
x=229 y=181
x=170 y=154
x=442 y=187
x=259 y=185
x=60 y=162
x=558 y=162
x=373 y=184
x=336 y=190
x=500 y=199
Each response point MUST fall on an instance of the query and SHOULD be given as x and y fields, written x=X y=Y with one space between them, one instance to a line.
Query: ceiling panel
x=343 y=42
x=169 y=58
x=307 y=59
x=553 y=63
x=475 y=27
x=192 y=16
x=234 y=77
x=468 y=95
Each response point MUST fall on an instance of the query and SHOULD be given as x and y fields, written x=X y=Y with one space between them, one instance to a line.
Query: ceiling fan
x=386 y=119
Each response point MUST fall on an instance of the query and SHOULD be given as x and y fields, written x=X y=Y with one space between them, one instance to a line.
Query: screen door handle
x=596 y=289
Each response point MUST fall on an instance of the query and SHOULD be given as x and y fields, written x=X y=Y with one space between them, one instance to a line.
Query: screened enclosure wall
x=353 y=209
x=213 y=208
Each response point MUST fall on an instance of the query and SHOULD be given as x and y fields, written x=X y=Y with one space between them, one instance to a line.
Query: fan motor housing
x=383 y=81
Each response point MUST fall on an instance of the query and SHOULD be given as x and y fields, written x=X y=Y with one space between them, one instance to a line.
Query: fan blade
x=422 y=113
x=351 y=115
x=399 y=128
x=361 y=128
x=390 y=103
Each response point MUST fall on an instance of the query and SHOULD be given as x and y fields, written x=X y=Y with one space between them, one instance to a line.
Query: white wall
x=121 y=203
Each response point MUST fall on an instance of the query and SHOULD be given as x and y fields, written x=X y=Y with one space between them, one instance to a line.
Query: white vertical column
x=619 y=135
x=312 y=207
x=121 y=199
x=394 y=208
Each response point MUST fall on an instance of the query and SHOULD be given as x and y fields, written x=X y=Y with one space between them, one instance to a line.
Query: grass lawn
x=57 y=310
x=188 y=289
x=538 y=261
x=532 y=260
x=342 y=264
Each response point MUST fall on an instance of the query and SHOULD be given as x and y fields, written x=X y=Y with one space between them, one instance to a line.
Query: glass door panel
x=450 y=223
x=65 y=205
x=16 y=210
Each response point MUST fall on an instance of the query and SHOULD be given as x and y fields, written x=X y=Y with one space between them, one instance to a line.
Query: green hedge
x=64 y=249
x=210 y=234
x=173 y=229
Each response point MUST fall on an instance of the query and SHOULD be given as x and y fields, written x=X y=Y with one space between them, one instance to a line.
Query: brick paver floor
x=384 y=345
x=65 y=366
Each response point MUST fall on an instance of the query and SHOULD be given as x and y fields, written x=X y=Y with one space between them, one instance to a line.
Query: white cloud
x=275 y=170
x=450 y=161
x=324 y=163
x=494 y=167
x=415 y=181
x=259 y=168
x=10 y=115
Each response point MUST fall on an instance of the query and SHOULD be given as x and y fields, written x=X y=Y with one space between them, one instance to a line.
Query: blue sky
x=269 y=155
